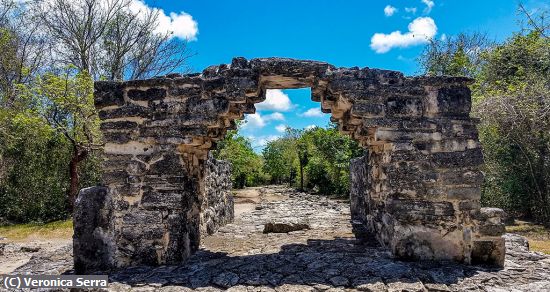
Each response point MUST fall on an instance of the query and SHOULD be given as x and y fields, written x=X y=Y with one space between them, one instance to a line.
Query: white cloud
x=254 y=121
x=257 y=121
x=311 y=127
x=421 y=30
x=274 y=117
x=281 y=128
x=181 y=25
x=313 y=112
x=443 y=37
x=429 y=5
x=276 y=100
x=410 y=10
x=389 y=10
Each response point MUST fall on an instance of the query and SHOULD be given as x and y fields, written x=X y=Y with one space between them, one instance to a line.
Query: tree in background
x=67 y=104
x=512 y=98
x=110 y=39
x=279 y=158
x=320 y=156
x=22 y=49
x=50 y=53
x=247 y=166
x=454 y=55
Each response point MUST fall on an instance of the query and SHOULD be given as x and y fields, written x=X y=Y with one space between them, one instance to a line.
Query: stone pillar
x=154 y=169
x=425 y=178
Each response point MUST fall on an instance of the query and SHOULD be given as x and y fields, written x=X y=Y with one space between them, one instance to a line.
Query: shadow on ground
x=333 y=263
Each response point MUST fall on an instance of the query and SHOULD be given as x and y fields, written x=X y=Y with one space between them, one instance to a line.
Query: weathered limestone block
x=417 y=188
x=93 y=240
x=218 y=205
x=284 y=226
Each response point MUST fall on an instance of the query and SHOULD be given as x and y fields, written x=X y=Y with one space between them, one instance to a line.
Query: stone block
x=146 y=95
x=368 y=109
x=94 y=245
x=162 y=199
x=404 y=107
x=490 y=251
x=470 y=157
x=454 y=101
x=108 y=93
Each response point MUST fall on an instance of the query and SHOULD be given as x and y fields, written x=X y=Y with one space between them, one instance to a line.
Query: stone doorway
x=419 y=195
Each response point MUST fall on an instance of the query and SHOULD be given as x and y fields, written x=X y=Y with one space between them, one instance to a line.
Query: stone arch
x=417 y=189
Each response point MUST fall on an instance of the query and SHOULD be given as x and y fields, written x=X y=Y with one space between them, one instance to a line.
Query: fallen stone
x=29 y=249
x=284 y=227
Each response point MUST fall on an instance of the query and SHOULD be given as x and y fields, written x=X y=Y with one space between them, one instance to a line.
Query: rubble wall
x=217 y=203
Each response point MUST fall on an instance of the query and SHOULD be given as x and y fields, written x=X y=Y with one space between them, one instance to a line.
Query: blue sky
x=378 y=34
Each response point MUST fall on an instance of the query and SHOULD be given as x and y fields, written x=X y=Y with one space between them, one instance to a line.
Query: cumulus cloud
x=257 y=121
x=389 y=10
x=429 y=5
x=180 y=25
x=313 y=112
x=276 y=100
x=254 y=121
x=421 y=30
x=410 y=10
x=281 y=128
x=274 y=117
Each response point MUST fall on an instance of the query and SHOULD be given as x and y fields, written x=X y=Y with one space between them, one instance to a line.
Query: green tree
x=512 y=98
x=65 y=102
x=247 y=166
x=330 y=156
x=279 y=159
x=454 y=55
x=320 y=156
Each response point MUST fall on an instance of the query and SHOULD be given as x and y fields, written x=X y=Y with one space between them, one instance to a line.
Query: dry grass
x=33 y=231
x=538 y=235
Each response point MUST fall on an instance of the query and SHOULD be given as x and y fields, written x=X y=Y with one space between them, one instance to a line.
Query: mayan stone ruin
x=416 y=190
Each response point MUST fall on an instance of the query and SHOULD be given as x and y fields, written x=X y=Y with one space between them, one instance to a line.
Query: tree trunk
x=301 y=177
x=79 y=154
x=542 y=153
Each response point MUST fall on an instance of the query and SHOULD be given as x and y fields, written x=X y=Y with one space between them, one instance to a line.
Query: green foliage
x=279 y=160
x=33 y=178
x=455 y=56
x=246 y=164
x=330 y=155
x=512 y=98
x=321 y=156
x=38 y=133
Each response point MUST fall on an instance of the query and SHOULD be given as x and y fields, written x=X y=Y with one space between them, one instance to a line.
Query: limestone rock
x=284 y=227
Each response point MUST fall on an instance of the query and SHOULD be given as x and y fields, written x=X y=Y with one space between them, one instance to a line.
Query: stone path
x=326 y=257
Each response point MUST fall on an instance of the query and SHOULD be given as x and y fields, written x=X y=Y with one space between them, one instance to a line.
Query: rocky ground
x=14 y=254
x=323 y=257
